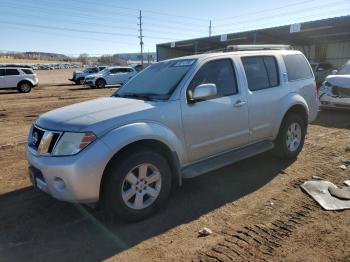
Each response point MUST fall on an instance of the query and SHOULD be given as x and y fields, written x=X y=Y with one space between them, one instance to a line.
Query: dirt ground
x=255 y=208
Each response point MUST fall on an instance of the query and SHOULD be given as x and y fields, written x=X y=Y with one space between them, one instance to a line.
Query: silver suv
x=176 y=119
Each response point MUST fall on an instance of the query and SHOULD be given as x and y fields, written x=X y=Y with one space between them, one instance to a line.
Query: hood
x=339 y=80
x=95 y=75
x=96 y=115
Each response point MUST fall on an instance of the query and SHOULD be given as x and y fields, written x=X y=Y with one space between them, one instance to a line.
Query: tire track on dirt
x=260 y=241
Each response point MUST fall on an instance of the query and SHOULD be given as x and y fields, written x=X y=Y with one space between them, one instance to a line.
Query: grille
x=43 y=141
x=341 y=91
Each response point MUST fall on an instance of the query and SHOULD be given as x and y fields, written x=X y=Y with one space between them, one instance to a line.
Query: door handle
x=239 y=103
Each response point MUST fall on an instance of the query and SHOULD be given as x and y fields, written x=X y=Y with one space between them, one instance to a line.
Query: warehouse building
x=326 y=40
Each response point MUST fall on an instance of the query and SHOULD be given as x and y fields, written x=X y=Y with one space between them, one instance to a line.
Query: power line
x=79 y=31
x=280 y=14
x=265 y=10
x=145 y=11
x=76 y=15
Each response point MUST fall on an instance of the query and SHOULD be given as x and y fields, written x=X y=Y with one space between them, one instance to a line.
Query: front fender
x=285 y=104
x=122 y=136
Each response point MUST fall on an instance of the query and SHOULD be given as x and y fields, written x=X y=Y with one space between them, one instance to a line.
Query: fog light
x=59 y=184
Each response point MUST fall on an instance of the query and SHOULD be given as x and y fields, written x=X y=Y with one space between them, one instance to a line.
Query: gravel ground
x=255 y=208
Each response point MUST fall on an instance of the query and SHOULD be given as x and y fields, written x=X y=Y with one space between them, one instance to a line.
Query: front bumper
x=332 y=101
x=89 y=83
x=70 y=178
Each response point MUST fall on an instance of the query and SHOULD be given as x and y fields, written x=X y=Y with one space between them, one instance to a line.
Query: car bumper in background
x=329 y=101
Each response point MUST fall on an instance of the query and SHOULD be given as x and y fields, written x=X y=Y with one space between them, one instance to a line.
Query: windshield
x=105 y=71
x=87 y=70
x=158 y=80
x=345 y=70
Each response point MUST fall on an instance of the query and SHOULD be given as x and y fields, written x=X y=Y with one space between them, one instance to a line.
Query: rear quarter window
x=297 y=67
x=27 y=71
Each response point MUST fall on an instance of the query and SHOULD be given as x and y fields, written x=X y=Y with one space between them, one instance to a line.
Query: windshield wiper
x=143 y=96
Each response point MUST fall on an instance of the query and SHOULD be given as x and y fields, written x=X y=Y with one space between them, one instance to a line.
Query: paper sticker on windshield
x=184 y=63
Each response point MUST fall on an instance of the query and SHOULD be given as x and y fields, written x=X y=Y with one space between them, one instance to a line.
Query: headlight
x=72 y=143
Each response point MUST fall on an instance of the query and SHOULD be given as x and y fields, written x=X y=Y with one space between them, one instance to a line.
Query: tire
x=80 y=81
x=291 y=137
x=24 y=87
x=100 y=83
x=124 y=176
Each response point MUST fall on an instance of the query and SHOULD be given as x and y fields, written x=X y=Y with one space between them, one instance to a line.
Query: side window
x=114 y=71
x=27 y=71
x=12 y=72
x=218 y=72
x=94 y=70
x=2 y=72
x=261 y=72
x=297 y=67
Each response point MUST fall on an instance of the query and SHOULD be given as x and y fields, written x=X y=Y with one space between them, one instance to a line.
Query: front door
x=220 y=124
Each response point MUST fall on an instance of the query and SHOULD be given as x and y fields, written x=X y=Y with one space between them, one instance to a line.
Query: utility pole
x=210 y=28
x=141 y=36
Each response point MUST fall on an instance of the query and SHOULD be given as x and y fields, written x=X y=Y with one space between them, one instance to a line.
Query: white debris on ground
x=342 y=167
x=205 y=232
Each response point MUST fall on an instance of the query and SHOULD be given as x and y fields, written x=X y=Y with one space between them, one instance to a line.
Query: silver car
x=176 y=119
x=335 y=90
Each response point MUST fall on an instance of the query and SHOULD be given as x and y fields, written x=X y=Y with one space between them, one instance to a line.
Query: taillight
x=315 y=90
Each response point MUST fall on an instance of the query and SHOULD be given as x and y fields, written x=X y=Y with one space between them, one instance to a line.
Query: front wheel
x=24 y=87
x=291 y=137
x=100 y=83
x=138 y=185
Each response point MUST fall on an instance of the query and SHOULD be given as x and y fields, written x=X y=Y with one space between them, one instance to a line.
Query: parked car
x=21 y=78
x=116 y=75
x=321 y=71
x=176 y=119
x=335 y=90
x=79 y=76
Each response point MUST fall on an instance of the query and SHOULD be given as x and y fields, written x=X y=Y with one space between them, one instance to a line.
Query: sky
x=73 y=27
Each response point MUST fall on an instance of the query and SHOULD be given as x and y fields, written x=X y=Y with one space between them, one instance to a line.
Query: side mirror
x=334 y=72
x=203 y=92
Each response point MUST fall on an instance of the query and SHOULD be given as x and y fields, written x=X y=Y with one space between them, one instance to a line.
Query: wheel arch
x=152 y=144
x=294 y=104
x=25 y=81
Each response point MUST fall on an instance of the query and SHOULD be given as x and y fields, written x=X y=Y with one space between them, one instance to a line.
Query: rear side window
x=2 y=72
x=218 y=72
x=261 y=72
x=114 y=71
x=297 y=67
x=12 y=72
x=27 y=71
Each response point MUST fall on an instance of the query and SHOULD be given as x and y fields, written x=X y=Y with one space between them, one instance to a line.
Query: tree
x=83 y=58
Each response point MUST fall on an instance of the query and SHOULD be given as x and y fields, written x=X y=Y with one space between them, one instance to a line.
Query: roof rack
x=231 y=48
x=15 y=65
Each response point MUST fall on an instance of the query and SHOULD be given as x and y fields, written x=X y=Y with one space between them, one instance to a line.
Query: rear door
x=265 y=91
x=12 y=77
x=114 y=76
x=2 y=78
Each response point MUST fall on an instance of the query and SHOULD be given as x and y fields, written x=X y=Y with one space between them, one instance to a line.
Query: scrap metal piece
x=341 y=193
x=319 y=191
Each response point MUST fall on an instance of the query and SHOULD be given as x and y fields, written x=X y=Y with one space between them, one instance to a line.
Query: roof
x=332 y=29
x=225 y=54
x=15 y=66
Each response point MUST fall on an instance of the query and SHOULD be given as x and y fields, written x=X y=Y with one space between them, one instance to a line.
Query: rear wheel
x=291 y=137
x=138 y=185
x=24 y=87
x=100 y=83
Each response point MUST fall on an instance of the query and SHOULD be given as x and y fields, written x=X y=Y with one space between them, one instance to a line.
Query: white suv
x=21 y=78
x=110 y=76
